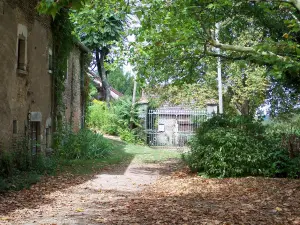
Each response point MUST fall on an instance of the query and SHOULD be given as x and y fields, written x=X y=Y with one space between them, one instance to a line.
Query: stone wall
x=28 y=90
x=72 y=94
x=26 y=81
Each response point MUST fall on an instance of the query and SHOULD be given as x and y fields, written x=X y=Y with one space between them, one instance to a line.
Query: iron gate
x=173 y=127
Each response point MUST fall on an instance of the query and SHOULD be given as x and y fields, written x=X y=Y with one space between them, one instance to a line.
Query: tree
x=176 y=36
x=52 y=7
x=99 y=26
x=246 y=87
x=120 y=81
x=192 y=95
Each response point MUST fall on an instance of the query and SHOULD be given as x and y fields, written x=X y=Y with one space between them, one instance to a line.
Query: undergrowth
x=239 y=146
x=120 y=119
x=19 y=168
x=85 y=144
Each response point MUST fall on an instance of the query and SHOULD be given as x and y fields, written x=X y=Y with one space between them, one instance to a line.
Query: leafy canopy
x=177 y=37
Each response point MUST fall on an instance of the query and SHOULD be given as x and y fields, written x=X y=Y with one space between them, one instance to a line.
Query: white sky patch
x=131 y=38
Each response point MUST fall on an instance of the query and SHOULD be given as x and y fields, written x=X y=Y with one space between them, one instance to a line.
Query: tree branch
x=295 y=3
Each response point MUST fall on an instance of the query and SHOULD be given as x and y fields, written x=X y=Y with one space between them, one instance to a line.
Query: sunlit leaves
x=179 y=34
x=52 y=7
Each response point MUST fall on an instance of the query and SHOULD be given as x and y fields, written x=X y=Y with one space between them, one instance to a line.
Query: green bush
x=19 y=168
x=102 y=118
x=84 y=145
x=286 y=129
x=120 y=119
x=238 y=146
x=127 y=135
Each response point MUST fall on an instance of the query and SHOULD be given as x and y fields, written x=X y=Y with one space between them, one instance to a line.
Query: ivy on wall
x=86 y=59
x=63 y=42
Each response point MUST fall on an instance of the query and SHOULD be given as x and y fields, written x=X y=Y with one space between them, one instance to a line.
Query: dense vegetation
x=19 y=167
x=228 y=146
x=122 y=82
x=177 y=43
x=119 y=119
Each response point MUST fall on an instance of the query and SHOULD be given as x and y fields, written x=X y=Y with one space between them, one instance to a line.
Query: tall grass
x=84 y=145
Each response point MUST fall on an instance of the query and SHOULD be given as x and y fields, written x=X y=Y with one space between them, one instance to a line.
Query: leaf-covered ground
x=153 y=192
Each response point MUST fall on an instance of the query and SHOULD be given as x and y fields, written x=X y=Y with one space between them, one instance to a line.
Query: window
x=50 y=61
x=15 y=126
x=21 y=49
x=21 y=53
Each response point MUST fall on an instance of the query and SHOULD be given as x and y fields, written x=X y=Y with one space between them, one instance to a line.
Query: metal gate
x=173 y=127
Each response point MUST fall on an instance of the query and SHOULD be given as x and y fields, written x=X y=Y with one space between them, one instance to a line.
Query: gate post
x=143 y=106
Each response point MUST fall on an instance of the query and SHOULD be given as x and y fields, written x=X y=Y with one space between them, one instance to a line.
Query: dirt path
x=153 y=193
x=89 y=202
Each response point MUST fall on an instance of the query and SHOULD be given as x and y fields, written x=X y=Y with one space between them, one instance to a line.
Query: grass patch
x=144 y=154
x=119 y=153
x=19 y=180
x=85 y=167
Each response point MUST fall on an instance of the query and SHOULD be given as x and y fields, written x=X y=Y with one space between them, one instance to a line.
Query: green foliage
x=6 y=163
x=82 y=145
x=19 y=168
x=288 y=123
x=281 y=99
x=126 y=114
x=120 y=119
x=194 y=95
x=246 y=87
x=63 y=42
x=102 y=118
x=98 y=26
x=127 y=135
x=53 y=7
x=239 y=146
x=120 y=81
x=177 y=42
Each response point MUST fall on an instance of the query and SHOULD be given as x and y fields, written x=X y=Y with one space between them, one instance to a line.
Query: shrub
x=127 y=135
x=120 y=119
x=237 y=146
x=19 y=168
x=84 y=145
x=102 y=118
x=286 y=129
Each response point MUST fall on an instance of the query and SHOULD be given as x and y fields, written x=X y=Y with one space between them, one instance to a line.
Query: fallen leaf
x=4 y=218
x=79 y=210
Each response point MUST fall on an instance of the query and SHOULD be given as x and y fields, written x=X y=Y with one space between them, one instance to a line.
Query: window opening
x=21 y=52
x=15 y=127
x=50 y=61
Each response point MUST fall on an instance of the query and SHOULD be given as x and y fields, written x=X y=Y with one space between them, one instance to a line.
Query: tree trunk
x=100 y=57
x=245 y=108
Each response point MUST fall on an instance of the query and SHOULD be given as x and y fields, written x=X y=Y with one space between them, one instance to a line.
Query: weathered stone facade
x=73 y=95
x=26 y=81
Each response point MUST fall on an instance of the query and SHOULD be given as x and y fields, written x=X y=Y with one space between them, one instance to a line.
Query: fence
x=169 y=127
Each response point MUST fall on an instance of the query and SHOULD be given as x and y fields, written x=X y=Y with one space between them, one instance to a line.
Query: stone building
x=26 y=79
